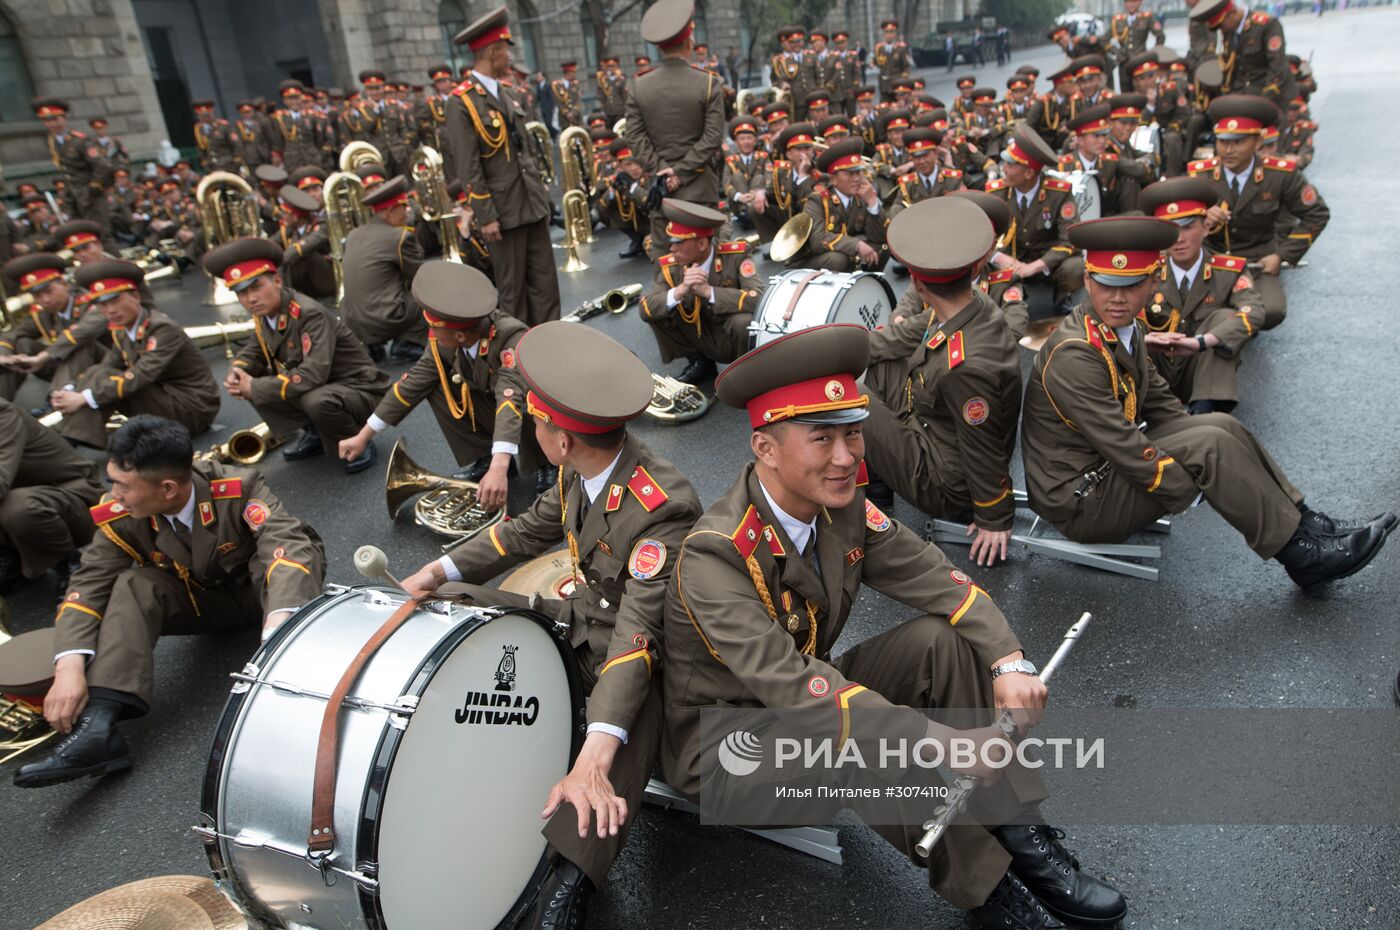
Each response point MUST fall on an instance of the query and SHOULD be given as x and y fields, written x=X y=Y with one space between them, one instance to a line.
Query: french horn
x=448 y=506
x=674 y=401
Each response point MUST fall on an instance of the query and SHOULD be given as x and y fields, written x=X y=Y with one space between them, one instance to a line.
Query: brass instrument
x=217 y=333
x=791 y=238
x=344 y=194
x=544 y=150
x=55 y=417
x=674 y=401
x=22 y=723
x=577 y=226
x=13 y=307
x=245 y=447
x=357 y=155
x=586 y=311
x=227 y=211
x=150 y=261
x=620 y=298
x=580 y=174
x=449 y=505
x=430 y=187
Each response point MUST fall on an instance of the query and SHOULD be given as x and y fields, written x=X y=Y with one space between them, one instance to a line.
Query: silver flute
x=963 y=785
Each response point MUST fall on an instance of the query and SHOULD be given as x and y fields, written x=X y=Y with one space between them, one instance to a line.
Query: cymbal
x=1038 y=332
x=26 y=663
x=790 y=239
x=167 y=902
x=550 y=575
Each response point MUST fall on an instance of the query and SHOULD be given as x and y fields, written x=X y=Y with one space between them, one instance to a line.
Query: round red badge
x=818 y=686
x=255 y=514
x=958 y=577
x=647 y=559
x=305 y=344
x=976 y=411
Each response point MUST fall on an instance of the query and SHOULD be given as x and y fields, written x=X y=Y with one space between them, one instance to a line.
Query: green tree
x=1025 y=16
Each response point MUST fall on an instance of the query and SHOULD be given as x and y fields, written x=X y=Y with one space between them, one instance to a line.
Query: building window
x=527 y=37
x=702 y=25
x=16 y=89
x=452 y=18
x=590 y=44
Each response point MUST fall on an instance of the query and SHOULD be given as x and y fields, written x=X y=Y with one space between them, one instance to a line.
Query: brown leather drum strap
x=321 y=839
x=797 y=294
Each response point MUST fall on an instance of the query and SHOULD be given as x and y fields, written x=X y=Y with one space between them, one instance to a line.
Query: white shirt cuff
x=873 y=211
x=609 y=729
x=508 y=448
x=75 y=652
x=671 y=299
x=87 y=396
x=449 y=569
x=376 y=424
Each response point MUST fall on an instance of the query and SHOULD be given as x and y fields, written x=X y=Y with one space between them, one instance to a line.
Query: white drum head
x=460 y=825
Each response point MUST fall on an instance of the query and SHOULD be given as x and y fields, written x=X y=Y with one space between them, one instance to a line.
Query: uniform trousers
x=44 y=524
x=527 y=278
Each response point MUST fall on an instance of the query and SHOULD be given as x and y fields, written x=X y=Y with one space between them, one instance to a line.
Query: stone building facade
x=141 y=62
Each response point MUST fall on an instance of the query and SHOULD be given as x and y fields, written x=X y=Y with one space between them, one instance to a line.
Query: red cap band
x=1123 y=264
x=1215 y=21
x=46 y=112
x=1021 y=157
x=243 y=271
x=371 y=81
x=897 y=123
x=1145 y=67
x=1098 y=125
x=678 y=39
x=777 y=115
x=436 y=322
x=681 y=231
x=37 y=279
x=77 y=239
x=921 y=145
x=1125 y=112
x=818 y=395
x=623 y=152
x=1238 y=125
x=538 y=408
x=391 y=202
x=800 y=138
x=489 y=38
x=309 y=181
x=1179 y=209
x=111 y=286
x=854 y=160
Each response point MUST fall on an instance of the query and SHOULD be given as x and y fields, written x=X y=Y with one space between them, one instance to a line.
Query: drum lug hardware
x=408 y=703
x=244 y=680
x=330 y=589
x=208 y=835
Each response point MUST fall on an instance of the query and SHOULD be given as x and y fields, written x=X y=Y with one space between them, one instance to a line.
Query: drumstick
x=371 y=562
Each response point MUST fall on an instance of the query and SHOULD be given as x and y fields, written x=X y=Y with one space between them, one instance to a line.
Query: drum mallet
x=963 y=785
x=371 y=562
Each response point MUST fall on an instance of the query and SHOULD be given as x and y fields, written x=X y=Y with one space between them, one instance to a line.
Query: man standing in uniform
x=304 y=369
x=480 y=405
x=432 y=116
x=1130 y=29
x=1109 y=449
x=568 y=98
x=1051 y=111
x=86 y=172
x=848 y=219
x=623 y=511
x=786 y=70
x=496 y=166
x=1252 y=192
x=251 y=145
x=295 y=140
x=675 y=115
x=763 y=588
x=213 y=136
x=612 y=88
x=1254 y=56
x=891 y=57
x=704 y=295
x=183 y=547
x=381 y=258
x=152 y=367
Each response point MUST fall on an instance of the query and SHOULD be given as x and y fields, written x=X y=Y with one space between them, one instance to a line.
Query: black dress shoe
x=1320 y=524
x=406 y=351
x=376 y=352
x=37 y=412
x=1011 y=906
x=1053 y=875
x=634 y=249
x=9 y=567
x=698 y=370
x=475 y=471
x=563 y=900
x=364 y=460
x=93 y=748
x=1200 y=406
x=879 y=493
x=1312 y=560
x=547 y=479
x=308 y=444
x=899 y=270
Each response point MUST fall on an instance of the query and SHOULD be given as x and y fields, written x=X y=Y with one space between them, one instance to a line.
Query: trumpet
x=448 y=505
x=245 y=447
x=674 y=401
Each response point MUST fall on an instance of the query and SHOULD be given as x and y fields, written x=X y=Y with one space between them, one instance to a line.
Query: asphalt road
x=1219 y=629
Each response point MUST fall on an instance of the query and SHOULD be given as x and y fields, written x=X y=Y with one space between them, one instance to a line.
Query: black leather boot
x=1312 y=560
x=406 y=351
x=308 y=444
x=1011 y=906
x=93 y=748
x=563 y=900
x=363 y=461
x=634 y=248
x=9 y=567
x=1320 y=524
x=376 y=352
x=879 y=493
x=698 y=370
x=476 y=470
x=546 y=480
x=1053 y=875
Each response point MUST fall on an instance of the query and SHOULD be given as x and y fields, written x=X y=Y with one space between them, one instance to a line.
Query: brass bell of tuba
x=228 y=210
x=344 y=194
x=358 y=154
x=544 y=150
x=791 y=238
x=448 y=505
x=430 y=186
x=580 y=167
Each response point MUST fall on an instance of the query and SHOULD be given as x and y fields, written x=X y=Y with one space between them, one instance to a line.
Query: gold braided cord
x=493 y=143
x=761 y=586
x=809 y=648
x=456 y=408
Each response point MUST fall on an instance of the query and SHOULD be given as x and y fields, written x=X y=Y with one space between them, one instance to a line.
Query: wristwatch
x=1201 y=341
x=1024 y=666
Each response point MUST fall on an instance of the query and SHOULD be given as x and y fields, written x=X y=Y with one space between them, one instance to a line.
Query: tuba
x=449 y=505
x=357 y=155
x=227 y=211
x=576 y=155
x=245 y=447
x=344 y=194
x=430 y=187
x=674 y=401
x=578 y=226
x=544 y=150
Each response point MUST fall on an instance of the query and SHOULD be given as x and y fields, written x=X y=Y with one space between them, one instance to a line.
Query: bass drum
x=803 y=298
x=450 y=740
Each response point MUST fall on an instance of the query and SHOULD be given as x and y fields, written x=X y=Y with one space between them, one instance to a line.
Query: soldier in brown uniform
x=86 y=171
x=1112 y=184
x=381 y=258
x=303 y=369
x=152 y=367
x=1253 y=56
x=791 y=182
x=762 y=590
x=496 y=166
x=182 y=547
x=787 y=71
x=213 y=136
x=251 y=145
x=469 y=377
x=296 y=139
x=745 y=171
x=891 y=57
x=1131 y=30
x=1108 y=448
x=568 y=96
x=929 y=179
x=623 y=198
x=46 y=487
x=1051 y=111
x=1075 y=45
x=1205 y=308
x=305 y=245
x=848 y=219
x=1253 y=191
x=58 y=339
x=368 y=119
x=675 y=115
x=623 y=512
x=431 y=116
x=612 y=88
x=704 y=295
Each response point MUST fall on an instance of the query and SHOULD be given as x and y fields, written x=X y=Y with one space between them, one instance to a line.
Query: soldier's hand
x=868 y=256
x=1024 y=695
x=956 y=744
x=1217 y=217
x=354 y=446
x=1270 y=264
x=697 y=281
x=68 y=694
x=491 y=232
x=989 y=545
x=273 y=621
x=673 y=183
x=424 y=581
x=67 y=402
x=238 y=382
x=1160 y=342
x=588 y=788
x=491 y=491
x=759 y=201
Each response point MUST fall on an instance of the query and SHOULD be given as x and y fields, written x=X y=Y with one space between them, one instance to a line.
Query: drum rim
x=372 y=801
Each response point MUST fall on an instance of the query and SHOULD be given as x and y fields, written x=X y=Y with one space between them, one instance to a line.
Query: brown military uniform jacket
x=242 y=536
x=1042 y=228
x=477 y=400
x=1273 y=186
x=894 y=62
x=625 y=546
x=718 y=327
x=788 y=70
x=251 y=144
x=76 y=339
x=840 y=228
x=1086 y=396
x=1120 y=180
x=495 y=162
x=612 y=94
x=1255 y=60
x=363 y=123
x=83 y=165
x=786 y=199
x=742 y=177
x=675 y=119
x=749 y=623
x=379 y=265
x=1132 y=34
x=161 y=354
x=306 y=258
x=914 y=187
x=1049 y=114
x=568 y=102
x=960 y=385
x=213 y=139
x=431 y=119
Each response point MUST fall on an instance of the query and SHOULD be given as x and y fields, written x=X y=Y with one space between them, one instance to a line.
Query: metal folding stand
x=821 y=842
x=1109 y=557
